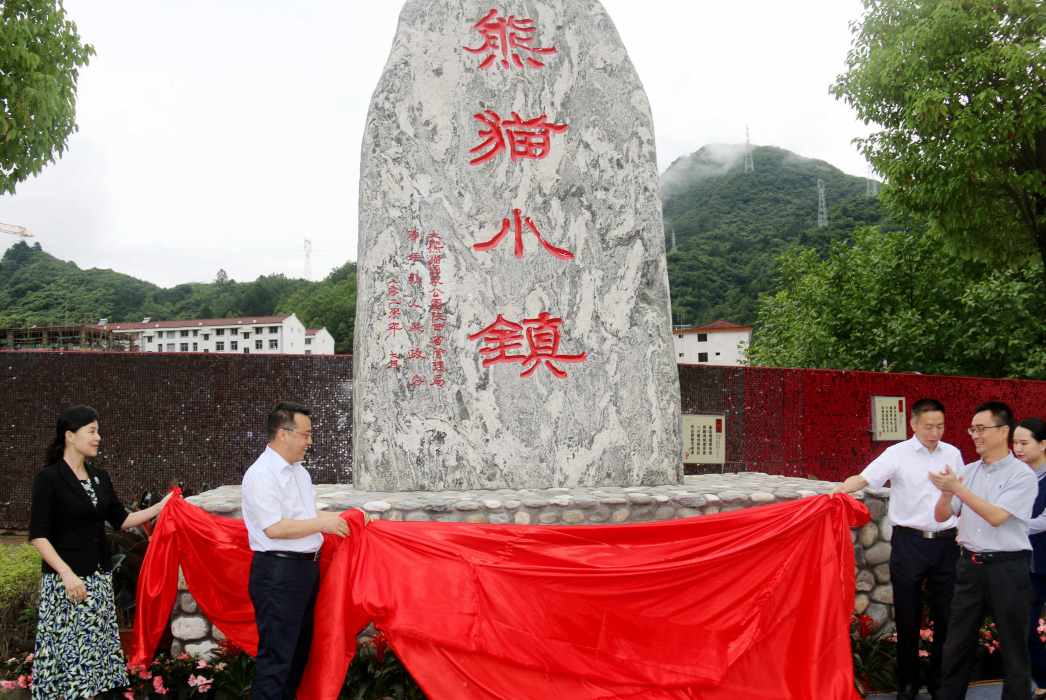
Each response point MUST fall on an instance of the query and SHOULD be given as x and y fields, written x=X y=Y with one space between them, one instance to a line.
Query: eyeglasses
x=297 y=432
x=979 y=429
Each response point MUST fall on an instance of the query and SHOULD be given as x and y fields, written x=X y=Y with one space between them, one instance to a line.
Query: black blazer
x=62 y=512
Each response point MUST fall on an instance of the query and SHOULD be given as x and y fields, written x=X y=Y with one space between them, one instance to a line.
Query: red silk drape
x=755 y=602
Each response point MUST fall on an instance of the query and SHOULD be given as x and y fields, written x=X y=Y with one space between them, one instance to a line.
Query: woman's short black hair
x=71 y=420
x=1035 y=426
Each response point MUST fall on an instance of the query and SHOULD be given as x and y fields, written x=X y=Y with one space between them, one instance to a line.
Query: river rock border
x=698 y=495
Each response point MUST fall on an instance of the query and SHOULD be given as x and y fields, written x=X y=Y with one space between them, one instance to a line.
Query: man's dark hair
x=925 y=406
x=1001 y=414
x=282 y=416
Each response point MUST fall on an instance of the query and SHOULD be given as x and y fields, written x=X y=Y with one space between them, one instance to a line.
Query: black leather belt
x=948 y=534
x=990 y=557
x=307 y=556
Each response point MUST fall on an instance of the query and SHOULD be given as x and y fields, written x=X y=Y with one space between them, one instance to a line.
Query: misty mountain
x=729 y=225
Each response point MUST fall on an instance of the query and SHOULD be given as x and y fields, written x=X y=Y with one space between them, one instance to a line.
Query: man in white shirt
x=285 y=532
x=922 y=549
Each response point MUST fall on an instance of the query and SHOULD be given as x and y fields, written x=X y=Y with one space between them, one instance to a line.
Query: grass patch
x=19 y=596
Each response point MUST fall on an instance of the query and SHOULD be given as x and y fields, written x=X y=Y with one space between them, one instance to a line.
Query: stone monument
x=513 y=324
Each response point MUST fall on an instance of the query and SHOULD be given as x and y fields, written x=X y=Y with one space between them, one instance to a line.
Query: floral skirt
x=78 y=650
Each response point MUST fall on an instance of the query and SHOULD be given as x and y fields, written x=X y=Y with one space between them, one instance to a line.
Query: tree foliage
x=331 y=303
x=902 y=301
x=37 y=288
x=40 y=57
x=958 y=88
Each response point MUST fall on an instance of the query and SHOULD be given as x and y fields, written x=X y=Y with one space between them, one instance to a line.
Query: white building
x=318 y=341
x=251 y=334
x=717 y=343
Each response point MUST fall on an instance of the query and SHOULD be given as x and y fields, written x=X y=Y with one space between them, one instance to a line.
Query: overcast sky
x=222 y=133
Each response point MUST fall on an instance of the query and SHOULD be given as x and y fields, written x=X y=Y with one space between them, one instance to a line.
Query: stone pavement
x=980 y=691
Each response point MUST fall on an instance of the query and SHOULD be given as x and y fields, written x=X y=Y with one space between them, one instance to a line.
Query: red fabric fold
x=756 y=601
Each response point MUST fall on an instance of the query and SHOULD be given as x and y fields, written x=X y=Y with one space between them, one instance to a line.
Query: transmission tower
x=872 y=189
x=308 y=259
x=672 y=226
x=822 y=208
x=749 y=166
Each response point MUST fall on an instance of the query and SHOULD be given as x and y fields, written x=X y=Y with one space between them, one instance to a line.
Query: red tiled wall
x=200 y=419
x=802 y=422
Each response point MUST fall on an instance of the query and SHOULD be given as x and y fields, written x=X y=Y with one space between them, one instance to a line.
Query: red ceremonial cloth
x=755 y=603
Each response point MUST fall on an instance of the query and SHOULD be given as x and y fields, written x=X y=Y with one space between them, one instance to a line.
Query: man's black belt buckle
x=989 y=557
x=307 y=556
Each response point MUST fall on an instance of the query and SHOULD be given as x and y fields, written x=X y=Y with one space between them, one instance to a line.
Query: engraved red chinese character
x=503 y=337
x=415 y=354
x=413 y=234
x=507 y=37
x=517 y=221
x=394 y=360
x=523 y=138
x=543 y=338
x=500 y=337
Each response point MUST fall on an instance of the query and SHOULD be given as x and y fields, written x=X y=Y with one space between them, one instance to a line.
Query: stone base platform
x=697 y=495
x=705 y=494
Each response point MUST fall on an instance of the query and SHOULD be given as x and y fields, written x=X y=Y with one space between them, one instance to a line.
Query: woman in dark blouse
x=78 y=651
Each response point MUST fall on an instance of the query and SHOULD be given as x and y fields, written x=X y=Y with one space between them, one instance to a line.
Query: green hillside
x=730 y=225
x=37 y=288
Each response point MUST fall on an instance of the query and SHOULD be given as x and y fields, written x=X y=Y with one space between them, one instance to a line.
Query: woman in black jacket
x=78 y=651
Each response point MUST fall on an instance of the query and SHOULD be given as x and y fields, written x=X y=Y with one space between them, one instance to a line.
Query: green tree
x=40 y=57
x=958 y=88
x=902 y=301
x=329 y=304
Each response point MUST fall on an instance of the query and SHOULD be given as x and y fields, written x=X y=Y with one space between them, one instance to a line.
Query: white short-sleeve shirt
x=272 y=490
x=907 y=466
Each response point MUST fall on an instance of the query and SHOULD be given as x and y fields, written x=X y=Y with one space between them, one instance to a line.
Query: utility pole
x=822 y=208
x=749 y=166
x=872 y=188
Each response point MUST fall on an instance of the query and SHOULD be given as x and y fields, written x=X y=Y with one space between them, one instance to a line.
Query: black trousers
x=1036 y=649
x=283 y=592
x=914 y=561
x=1001 y=589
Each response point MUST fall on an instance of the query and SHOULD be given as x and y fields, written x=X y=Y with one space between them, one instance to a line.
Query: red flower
x=867 y=624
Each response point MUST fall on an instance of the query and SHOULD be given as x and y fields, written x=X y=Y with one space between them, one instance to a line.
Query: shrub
x=19 y=594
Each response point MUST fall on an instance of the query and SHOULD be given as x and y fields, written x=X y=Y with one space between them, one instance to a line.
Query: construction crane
x=14 y=230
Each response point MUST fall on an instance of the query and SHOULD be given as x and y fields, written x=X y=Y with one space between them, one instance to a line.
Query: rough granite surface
x=428 y=415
